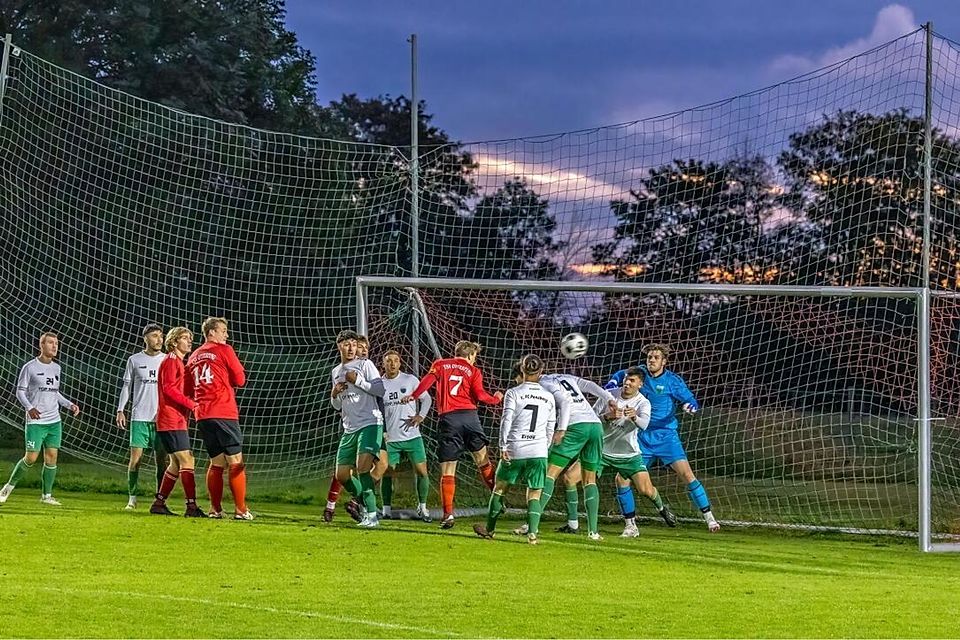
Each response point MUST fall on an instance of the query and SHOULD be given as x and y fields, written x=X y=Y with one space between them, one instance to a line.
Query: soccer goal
x=816 y=407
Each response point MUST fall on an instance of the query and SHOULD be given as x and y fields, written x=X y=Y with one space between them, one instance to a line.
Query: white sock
x=331 y=505
x=708 y=516
x=423 y=506
x=386 y=509
x=46 y=495
x=573 y=524
x=631 y=522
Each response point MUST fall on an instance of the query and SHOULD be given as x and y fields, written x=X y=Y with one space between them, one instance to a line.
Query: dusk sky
x=498 y=69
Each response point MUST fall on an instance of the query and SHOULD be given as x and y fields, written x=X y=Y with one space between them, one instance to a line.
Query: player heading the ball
x=459 y=388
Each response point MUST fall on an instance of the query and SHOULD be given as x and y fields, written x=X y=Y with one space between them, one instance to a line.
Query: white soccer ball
x=573 y=345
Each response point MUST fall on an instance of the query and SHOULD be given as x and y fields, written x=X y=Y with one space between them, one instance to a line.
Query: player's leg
x=562 y=454
x=507 y=474
x=535 y=475
x=590 y=463
x=666 y=445
x=641 y=480
x=390 y=455
x=418 y=457
x=696 y=492
x=449 y=449
x=571 y=478
x=159 y=455
x=231 y=443
x=346 y=473
x=33 y=437
x=175 y=442
x=215 y=467
x=627 y=505
x=133 y=473
x=50 y=450
x=188 y=481
x=368 y=449
x=333 y=493
x=476 y=442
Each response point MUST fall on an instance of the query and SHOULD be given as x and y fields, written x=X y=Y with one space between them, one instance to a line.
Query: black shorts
x=221 y=436
x=460 y=430
x=173 y=441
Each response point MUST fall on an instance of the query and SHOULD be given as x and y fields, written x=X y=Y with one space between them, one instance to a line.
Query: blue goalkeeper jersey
x=665 y=392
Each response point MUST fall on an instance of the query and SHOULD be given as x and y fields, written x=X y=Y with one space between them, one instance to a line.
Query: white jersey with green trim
x=358 y=404
x=620 y=434
x=38 y=387
x=140 y=374
x=529 y=419
x=397 y=414
x=573 y=388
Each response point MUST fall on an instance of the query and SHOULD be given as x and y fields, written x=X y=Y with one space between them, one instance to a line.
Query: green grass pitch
x=90 y=569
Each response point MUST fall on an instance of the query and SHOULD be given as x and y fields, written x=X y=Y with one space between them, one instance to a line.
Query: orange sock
x=488 y=475
x=215 y=487
x=238 y=486
x=447 y=487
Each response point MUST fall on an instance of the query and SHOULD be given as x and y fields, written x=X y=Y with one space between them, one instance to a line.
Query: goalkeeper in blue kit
x=660 y=441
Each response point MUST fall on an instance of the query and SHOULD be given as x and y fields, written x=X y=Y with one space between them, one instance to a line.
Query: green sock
x=18 y=471
x=423 y=488
x=353 y=486
x=591 y=500
x=496 y=504
x=386 y=490
x=547 y=492
x=369 y=497
x=534 y=510
x=132 y=476
x=657 y=500
x=572 y=514
x=48 y=474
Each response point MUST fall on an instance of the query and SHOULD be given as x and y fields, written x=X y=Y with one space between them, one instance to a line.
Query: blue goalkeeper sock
x=627 y=506
x=698 y=495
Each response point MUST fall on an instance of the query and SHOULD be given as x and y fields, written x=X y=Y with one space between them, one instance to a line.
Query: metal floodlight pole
x=414 y=194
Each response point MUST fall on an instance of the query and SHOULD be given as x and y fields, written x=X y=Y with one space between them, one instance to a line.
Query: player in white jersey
x=140 y=378
x=621 y=448
x=403 y=432
x=356 y=390
x=579 y=437
x=38 y=391
x=526 y=429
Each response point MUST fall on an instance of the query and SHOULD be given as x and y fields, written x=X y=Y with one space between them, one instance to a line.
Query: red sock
x=334 y=491
x=238 y=486
x=215 y=487
x=488 y=475
x=189 y=482
x=166 y=486
x=447 y=488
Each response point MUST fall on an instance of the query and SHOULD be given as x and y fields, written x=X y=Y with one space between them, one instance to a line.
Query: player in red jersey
x=213 y=371
x=459 y=389
x=173 y=407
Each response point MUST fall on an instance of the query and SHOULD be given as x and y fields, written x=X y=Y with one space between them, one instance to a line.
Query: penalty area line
x=253 y=607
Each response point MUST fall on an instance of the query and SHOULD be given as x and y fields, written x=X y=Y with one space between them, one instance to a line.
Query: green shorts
x=143 y=435
x=583 y=440
x=43 y=436
x=533 y=471
x=626 y=467
x=364 y=440
x=413 y=448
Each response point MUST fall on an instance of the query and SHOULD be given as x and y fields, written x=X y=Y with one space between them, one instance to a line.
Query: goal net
x=118 y=212
x=809 y=404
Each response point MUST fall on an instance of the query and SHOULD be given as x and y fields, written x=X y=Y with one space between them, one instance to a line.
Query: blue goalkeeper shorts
x=661 y=445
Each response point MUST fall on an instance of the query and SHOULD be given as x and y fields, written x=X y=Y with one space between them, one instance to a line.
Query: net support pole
x=414 y=194
x=924 y=438
x=4 y=66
